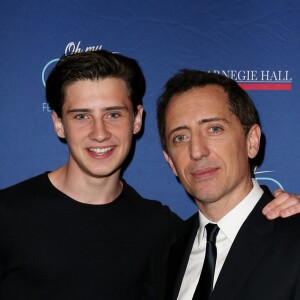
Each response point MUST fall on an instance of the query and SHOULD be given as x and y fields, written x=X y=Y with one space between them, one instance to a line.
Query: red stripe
x=266 y=86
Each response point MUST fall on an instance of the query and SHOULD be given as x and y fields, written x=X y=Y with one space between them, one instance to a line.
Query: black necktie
x=205 y=285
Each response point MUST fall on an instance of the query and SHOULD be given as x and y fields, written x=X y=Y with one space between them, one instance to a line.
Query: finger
x=281 y=197
x=270 y=214
x=288 y=207
x=290 y=211
x=278 y=192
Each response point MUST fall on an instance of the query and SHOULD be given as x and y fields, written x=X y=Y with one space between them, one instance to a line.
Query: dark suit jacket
x=263 y=262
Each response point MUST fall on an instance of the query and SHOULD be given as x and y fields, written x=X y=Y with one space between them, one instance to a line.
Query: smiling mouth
x=100 y=151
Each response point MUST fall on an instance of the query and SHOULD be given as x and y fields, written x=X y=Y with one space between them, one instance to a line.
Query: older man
x=210 y=135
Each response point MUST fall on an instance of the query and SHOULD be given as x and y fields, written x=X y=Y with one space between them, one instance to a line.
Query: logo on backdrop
x=260 y=177
x=260 y=79
x=70 y=48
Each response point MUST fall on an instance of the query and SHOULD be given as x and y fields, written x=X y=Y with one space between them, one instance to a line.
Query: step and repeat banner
x=256 y=43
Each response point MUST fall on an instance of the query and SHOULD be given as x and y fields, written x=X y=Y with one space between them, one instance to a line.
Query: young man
x=81 y=232
x=210 y=135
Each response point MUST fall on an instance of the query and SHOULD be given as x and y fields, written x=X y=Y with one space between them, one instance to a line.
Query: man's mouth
x=205 y=173
x=100 y=151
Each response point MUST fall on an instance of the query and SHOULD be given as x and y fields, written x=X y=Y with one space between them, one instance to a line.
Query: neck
x=216 y=209
x=85 y=188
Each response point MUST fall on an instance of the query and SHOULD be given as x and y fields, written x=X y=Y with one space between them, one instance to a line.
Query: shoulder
x=139 y=201
x=26 y=184
x=148 y=208
x=288 y=227
x=23 y=188
x=188 y=227
x=180 y=235
x=284 y=236
x=289 y=222
x=280 y=230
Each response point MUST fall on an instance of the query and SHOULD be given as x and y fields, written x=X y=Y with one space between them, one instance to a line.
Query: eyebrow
x=200 y=122
x=109 y=108
x=213 y=120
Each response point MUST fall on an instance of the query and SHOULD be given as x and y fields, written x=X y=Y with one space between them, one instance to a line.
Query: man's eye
x=215 y=129
x=114 y=115
x=80 y=116
x=179 y=138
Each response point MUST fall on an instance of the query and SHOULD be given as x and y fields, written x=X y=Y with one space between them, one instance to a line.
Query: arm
x=284 y=205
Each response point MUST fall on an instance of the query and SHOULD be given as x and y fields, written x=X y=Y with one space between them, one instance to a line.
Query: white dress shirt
x=229 y=226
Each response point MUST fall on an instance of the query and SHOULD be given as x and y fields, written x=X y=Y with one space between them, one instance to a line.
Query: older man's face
x=207 y=147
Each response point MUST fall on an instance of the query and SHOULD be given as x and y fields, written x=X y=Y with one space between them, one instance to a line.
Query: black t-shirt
x=53 y=247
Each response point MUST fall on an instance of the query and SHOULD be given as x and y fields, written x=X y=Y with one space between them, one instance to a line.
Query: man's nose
x=99 y=131
x=198 y=147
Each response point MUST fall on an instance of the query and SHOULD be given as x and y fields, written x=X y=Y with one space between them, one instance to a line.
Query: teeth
x=100 y=151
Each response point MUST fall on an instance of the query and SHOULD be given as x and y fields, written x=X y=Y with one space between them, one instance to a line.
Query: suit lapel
x=179 y=255
x=245 y=252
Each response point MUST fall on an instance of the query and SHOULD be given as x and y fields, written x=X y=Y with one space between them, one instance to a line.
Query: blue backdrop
x=255 y=42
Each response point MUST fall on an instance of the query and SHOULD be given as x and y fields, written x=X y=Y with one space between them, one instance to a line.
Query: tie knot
x=211 y=232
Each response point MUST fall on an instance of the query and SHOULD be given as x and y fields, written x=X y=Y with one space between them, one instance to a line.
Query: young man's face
x=98 y=123
x=207 y=146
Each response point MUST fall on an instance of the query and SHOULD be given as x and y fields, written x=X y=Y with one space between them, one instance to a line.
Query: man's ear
x=170 y=162
x=138 y=119
x=253 y=140
x=58 y=126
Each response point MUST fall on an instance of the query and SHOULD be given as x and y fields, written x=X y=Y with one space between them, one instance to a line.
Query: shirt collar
x=231 y=223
